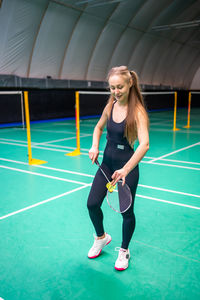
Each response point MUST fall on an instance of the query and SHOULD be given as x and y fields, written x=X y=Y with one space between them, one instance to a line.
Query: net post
x=28 y=126
x=189 y=109
x=31 y=160
x=175 y=111
x=77 y=151
x=22 y=109
x=21 y=97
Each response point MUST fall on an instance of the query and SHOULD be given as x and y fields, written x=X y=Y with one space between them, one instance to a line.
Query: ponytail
x=135 y=102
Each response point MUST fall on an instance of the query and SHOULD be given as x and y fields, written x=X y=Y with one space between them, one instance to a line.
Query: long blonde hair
x=135 y=102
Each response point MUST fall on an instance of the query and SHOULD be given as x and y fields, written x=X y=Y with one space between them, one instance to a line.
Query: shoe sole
x=120 y=269
x=91 y=257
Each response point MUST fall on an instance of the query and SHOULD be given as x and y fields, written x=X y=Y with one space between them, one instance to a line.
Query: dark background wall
x=60 y=103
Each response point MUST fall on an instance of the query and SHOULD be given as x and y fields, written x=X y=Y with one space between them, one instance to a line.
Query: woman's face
x=119 y=88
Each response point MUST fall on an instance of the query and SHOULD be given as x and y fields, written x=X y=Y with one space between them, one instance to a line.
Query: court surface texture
x=46 y=231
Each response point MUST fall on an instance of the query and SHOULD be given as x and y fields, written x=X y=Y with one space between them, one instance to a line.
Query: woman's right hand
x=93 y=153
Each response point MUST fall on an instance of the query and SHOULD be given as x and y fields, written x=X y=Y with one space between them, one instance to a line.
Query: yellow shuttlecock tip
x=110 y=187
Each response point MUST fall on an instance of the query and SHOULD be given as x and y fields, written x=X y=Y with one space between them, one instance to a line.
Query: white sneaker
x=122 y=260
x=98 y=245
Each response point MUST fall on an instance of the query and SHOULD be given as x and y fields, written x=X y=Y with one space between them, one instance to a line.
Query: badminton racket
x=118 y=197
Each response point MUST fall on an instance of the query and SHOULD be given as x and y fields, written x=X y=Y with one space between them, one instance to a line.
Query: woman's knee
x=129 y=215
x=92 y=205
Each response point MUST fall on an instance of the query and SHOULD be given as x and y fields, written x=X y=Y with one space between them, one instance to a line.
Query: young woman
x=126 y=120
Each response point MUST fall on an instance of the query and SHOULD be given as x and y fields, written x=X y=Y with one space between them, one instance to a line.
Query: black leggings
x=98 y=193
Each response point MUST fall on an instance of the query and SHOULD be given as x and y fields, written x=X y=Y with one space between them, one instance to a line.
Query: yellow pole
x=31 y=161
x=175 y=111
x=77 y=122
x=28 y=126
x=189 y=109
x=77 y=151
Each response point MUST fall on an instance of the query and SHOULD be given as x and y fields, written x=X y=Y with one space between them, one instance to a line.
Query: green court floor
x=46 y=231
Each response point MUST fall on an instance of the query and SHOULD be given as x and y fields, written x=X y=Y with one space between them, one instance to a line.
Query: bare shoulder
x=142 y=116
x=107 y=108
x=104 y=117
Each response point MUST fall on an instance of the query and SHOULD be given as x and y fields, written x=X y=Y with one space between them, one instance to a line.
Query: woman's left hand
x=117 y=175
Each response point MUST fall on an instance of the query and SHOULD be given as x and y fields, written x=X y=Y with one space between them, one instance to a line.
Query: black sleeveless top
x=115 y=131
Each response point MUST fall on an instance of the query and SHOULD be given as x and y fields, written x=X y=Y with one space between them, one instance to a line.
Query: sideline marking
x=42 y=202
x=86 y=154
x=48 y=168
x=169 y=191
x=169 y=252
x=61 y=140
x=165 y=201
x=92 y=176
x=43 y=175
x=160 y=157
x=169 y=165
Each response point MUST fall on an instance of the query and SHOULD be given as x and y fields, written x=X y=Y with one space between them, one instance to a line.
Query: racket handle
x=109 y=186
x=97 y=162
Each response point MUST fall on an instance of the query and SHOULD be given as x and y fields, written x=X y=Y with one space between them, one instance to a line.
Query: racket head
x=120 y=199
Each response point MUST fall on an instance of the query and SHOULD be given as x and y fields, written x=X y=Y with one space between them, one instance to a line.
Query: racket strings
x=120 y=199
x=124 y=198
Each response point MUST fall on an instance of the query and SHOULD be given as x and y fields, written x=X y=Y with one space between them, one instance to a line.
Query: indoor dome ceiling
x=82 y=40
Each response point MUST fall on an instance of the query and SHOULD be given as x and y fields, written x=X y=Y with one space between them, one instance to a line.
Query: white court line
x=170 y=130
x=66 y=147
x=38 y=147
x=48 y=168
x=62 y=124
x=11 y=140
x=174 y=160
x=47 y=130
x=55 y=141
x=170 y=191
x=182 y=149
x=181 y=161
x=69 y=149
x=43 y=143
x=87 y=125
x=61 y=140
x=43 y=175
x=79 y=188
x=169 y=202
x=85 y=185
x=160 y=124
x=7 y=129
x=169 y=165
x=167 y=251
x=92 y=176
x=43 y=202
x=33 y=144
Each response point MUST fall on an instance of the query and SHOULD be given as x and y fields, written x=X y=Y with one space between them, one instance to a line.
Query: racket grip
x=97 y=162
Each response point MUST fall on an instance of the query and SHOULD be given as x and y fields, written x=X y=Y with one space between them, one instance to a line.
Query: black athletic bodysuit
x=116 y=154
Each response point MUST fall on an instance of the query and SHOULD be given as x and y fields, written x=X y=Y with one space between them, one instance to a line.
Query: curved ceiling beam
x=191 y=70
x=164 y=37
x=97 y=40
x=34 y=42
x=127 y=28
x=82 y=44
x=147 y=34
x=194 y=84
x=67 y=46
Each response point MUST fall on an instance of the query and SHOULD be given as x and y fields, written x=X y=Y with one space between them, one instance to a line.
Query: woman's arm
x=143 y=138
x=94 y=151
